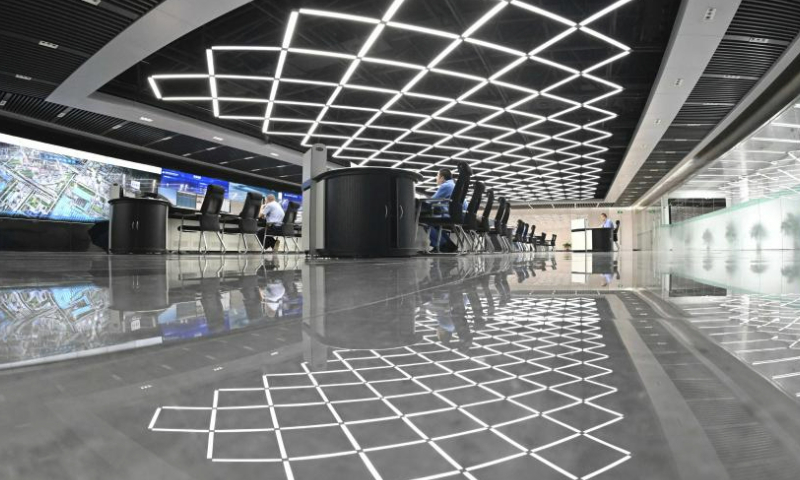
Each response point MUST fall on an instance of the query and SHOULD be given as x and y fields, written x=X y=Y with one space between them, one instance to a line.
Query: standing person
x=606 y=223
x=272 y=213
x=444 y=179
x=616 y=235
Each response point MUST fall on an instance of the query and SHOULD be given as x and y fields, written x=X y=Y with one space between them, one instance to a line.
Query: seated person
x=273 y=213
x=444 y=179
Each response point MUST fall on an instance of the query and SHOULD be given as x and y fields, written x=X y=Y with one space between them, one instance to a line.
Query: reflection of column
x=314 y=352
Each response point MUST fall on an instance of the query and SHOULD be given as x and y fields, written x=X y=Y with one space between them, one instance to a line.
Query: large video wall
x=39 y=180
x=45 y=181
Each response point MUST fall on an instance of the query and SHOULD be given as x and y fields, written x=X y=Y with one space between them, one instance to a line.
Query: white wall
x=763 y=224
x=557 y=221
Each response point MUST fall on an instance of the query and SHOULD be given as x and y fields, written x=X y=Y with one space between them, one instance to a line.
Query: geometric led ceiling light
x=528 y=142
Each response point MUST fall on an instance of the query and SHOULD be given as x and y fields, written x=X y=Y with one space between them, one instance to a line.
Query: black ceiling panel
x=182 y=145
x=46 y=40
x=137 y=134
x=645 y=26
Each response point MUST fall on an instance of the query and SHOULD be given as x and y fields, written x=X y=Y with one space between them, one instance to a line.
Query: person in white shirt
x=273 y=213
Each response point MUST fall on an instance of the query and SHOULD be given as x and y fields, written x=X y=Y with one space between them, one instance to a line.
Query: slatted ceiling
x=221 y=154
x=31 y=88
x=74 y=24
x=78 y=28
x=255 y=163
x=136 y=7
x=87 y=121
x=722 y=90
x=736 y=57
x=26 y=57
x=773 y=19
x=694 y=114
x=32 y=107
x=137 y=134
x=181 y=144
x=689 y=133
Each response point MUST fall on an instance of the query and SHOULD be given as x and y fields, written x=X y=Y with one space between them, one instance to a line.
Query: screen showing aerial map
x=49 y=182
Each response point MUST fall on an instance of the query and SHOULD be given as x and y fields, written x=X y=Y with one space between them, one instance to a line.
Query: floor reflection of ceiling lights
x=515 y=167
x=505 y=395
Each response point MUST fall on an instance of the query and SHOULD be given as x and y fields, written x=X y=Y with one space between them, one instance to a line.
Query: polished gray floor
x=546 y=365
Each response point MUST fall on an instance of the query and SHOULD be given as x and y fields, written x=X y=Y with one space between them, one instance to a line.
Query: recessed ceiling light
x=274 y=154
x=2 y=103
x=710 y=14
x=146 y=119
x=219 y=139
x=23 y=77
x=48 y=44
x=93 y=2
x=119 y=125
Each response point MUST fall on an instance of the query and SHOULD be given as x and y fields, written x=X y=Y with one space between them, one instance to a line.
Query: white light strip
x=564 y=178
x=212 y=82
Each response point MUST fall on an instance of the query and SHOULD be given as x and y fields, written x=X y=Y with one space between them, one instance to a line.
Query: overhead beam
x=693 y=43
x=169 y=21
x=777 y=89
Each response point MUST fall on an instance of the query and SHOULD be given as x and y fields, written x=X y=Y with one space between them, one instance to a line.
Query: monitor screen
x=188 y=183
x=40 y=180
x=186 y=200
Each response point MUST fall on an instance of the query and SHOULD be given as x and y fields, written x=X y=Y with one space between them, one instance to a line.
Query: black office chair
x=248 y=222
x=553 y=242
x=208 y=218
x=539 y=242
x=497 y=230
x=484 y=226
x=471 y=221
x=531 y=239
x=506 y=232
x=290 y=230
x=453 y=220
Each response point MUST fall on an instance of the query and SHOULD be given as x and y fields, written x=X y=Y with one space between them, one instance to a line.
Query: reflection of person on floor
x=273 y=298
x=452 y=320
x=615 y=236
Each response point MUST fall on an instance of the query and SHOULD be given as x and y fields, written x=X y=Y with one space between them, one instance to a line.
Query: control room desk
x=369 y=212
x=592 y=239
x=138 y=225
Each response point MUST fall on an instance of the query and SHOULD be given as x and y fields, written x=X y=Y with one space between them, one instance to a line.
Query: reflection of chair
x=484 y=226
x=209 y=218
x=248 y=221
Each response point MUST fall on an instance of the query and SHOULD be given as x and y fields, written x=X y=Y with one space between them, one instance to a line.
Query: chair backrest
x=477 y=197
x=489 y=204
x=519 y=231
x=456 y=209
x=501 y=211
x=209 y=210
x=531 y=233
x=252 y=205
x=471 y=218
x=212 y=203
x=248 y=218
x=289 y=217
x=553 y=240
x=506 y=214
x=524 y=232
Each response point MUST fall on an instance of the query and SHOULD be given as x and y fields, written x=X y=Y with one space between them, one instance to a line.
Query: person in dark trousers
x=273 y=213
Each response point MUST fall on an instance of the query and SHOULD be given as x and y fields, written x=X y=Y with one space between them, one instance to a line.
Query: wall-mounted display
x=38 y=180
